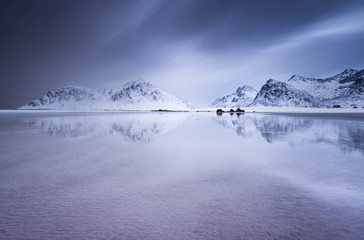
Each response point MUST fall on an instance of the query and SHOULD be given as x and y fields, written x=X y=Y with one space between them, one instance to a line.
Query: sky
x=198 y=50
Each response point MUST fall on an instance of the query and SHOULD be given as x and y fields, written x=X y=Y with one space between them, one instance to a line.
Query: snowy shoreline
x=247 y=110
x=291 y=110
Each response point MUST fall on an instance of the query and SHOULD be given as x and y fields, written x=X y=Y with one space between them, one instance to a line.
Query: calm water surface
x=181 y=176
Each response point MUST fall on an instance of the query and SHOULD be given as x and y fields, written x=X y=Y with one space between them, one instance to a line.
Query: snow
x=135 y=95
x=262 y=109
x=242 y=97
x=344 y=89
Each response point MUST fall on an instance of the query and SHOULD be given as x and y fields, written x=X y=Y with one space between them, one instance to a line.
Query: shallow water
x=181 y=176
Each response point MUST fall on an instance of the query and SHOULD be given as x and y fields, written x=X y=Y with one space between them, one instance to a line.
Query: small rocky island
x=231 y=111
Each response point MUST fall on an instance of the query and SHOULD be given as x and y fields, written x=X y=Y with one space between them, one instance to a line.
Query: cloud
x=198 y=50
x=350 y=23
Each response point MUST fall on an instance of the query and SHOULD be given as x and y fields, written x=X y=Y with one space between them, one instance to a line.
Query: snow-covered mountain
x=345 y=89
x=242 y=97
x=135 y=95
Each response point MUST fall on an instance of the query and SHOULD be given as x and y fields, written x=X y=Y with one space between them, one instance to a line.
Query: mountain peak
x=138 y=81
x=242 y=97
x=243 y=88
x=346 y=76
x=271 y=80
x=140 y=86
x=349 y=71
x=296 y=77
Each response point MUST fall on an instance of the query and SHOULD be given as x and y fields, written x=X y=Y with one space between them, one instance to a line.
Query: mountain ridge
x=345 y=89
x=134 y=95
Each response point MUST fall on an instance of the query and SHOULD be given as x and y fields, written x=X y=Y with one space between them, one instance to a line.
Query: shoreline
x=212 y=110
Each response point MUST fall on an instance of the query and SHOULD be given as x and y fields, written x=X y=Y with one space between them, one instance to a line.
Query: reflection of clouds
x=135 y=127
x=345 y=134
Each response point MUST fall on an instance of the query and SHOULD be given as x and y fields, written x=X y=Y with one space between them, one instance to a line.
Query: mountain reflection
x=242 y=125
x=346 y=134
x=134 y=127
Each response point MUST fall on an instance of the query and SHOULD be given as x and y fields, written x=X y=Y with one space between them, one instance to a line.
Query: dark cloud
x=214 y=45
